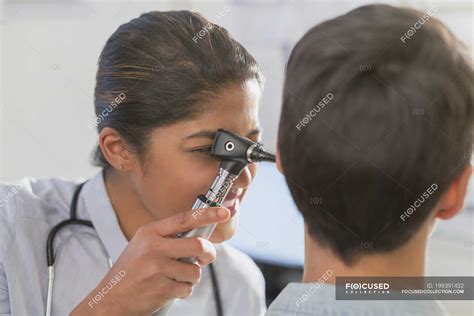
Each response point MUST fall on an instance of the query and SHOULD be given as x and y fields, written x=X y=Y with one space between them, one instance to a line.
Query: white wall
x=50 y=51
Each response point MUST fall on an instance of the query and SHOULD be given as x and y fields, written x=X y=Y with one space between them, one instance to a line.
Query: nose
x=245 y=178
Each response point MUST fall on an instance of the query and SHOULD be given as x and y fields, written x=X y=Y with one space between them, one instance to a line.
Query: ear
x=278 y=160
x=113 y=148
x=452 y=200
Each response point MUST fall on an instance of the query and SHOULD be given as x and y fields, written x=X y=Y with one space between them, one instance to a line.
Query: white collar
x=96 y=203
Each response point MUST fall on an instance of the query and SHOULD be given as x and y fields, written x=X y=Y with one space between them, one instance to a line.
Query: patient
x=375 y=142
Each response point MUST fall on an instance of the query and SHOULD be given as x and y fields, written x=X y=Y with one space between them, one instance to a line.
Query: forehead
x=234 y=108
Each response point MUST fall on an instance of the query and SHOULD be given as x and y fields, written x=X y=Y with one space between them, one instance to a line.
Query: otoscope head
x=236 y=152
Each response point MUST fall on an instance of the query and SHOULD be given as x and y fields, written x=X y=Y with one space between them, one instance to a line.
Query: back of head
x=377 y=115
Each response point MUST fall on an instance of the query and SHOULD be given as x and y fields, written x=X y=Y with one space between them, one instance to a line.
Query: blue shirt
x=302 y=299
x=30 y=208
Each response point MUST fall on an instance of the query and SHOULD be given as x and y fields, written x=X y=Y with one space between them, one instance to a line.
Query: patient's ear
x=452 y=200
x=278 y=161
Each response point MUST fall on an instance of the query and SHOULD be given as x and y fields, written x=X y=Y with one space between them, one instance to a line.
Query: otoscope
x=234 y=153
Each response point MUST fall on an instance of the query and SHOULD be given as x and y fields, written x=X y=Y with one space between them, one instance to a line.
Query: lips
x=232 y=201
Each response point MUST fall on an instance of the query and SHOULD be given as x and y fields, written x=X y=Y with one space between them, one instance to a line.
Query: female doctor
x=166 y=81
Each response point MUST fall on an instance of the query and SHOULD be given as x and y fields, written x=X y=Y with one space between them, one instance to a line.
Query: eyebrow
x=212 y=134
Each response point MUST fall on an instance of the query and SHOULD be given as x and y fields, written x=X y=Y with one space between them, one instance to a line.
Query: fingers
x=176 y=248
x=189 y=220
x=183 y=272
x=181 y=290
x=170 y=289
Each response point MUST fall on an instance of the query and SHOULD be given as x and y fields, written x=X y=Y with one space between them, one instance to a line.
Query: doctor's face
x=179 y=167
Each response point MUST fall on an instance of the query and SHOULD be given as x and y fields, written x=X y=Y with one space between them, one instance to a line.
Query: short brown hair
x=372 y=123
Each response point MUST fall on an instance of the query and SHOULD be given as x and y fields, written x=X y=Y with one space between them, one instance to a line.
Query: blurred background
x=48 y=56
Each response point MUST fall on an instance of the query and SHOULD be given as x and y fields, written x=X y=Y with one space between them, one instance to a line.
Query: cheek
x=195 y=177
x=171 y=186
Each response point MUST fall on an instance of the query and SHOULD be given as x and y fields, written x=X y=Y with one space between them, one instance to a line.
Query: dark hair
x=158 y=69
x=374 y=128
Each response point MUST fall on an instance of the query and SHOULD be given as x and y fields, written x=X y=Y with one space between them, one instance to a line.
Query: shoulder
x=241 y=267
x=41 y=199
x=243 y=287
x=26 y=197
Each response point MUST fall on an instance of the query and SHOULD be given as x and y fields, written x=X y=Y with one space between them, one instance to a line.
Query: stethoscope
x=73 y=220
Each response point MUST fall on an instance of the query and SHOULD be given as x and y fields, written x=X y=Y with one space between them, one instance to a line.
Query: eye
x=203 y=150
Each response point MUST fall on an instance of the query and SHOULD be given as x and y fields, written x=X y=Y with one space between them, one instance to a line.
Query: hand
x=147 y=275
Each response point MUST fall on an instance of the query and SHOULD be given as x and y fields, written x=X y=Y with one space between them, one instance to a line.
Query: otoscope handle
x=214 y=197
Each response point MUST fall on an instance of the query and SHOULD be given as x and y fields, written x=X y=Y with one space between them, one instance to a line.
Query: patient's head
x=377 y=128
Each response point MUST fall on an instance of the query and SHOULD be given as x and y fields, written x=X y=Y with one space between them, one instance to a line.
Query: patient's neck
x=409 y=260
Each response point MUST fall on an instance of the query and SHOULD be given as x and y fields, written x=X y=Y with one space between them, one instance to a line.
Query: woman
x=161 y=94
